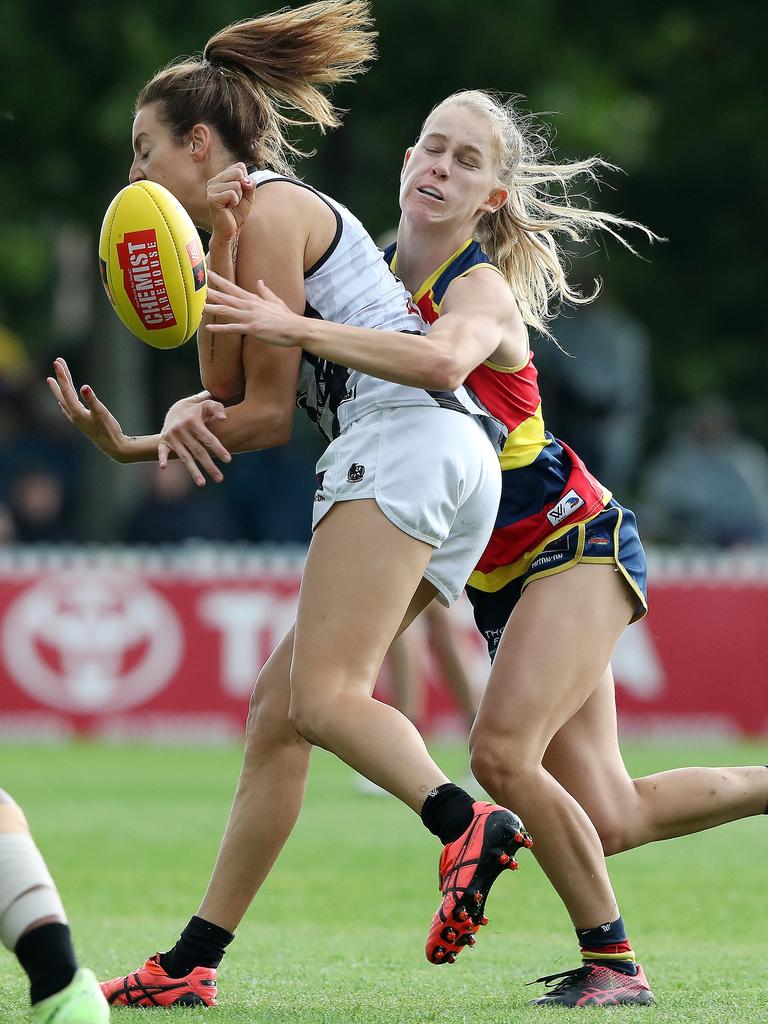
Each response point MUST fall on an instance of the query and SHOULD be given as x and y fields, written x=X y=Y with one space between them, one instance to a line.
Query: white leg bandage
x=27 y=891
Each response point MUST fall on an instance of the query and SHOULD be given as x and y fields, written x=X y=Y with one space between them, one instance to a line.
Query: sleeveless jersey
x=352 y=284
x=546 y=488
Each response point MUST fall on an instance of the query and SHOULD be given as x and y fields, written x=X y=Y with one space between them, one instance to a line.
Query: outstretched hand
x=260 y=313
x=85 y=412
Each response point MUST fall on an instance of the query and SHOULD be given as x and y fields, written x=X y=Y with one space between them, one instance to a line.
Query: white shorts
x=432 y=472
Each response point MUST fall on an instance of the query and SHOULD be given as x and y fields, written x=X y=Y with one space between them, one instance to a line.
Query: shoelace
x=569 y=978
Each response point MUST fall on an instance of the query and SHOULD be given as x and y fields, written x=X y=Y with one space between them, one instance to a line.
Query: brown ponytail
x=258 y=77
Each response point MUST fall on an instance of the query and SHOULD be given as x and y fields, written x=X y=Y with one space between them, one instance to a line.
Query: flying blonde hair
x=521 y=237
x=257 y=78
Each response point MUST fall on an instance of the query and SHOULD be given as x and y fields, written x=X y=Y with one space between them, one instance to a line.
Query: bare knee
x=324 y=696
x=497 y=765
x=269 y=724
x=11 y=815
x=311 y=718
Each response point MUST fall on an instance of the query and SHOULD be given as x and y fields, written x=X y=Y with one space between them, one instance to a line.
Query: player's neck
x=421 y=251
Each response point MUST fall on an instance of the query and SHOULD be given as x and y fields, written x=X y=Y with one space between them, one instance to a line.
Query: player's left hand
x=259 y=313
x=87 y=413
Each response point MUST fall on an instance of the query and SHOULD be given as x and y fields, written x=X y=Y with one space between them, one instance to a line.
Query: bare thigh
x=360 y=580
x=554 y=651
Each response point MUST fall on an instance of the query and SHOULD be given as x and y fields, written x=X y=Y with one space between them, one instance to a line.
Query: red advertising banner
x=119 y=644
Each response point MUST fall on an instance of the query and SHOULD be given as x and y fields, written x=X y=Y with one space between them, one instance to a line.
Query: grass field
x=337 y=933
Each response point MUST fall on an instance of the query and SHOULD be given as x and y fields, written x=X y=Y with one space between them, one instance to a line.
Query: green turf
x=337 y=933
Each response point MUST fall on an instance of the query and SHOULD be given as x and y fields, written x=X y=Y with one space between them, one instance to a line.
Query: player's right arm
x=198 y=428
x=230 y=197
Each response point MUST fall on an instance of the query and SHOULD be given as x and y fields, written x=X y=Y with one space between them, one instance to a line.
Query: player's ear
x=495 y=200
x=406 y=158
x=199 y=141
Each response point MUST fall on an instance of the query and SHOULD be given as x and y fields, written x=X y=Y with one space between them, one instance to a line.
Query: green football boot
x=81 y=1002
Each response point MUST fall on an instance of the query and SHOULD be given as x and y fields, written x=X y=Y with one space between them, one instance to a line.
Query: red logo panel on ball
x=143 y=279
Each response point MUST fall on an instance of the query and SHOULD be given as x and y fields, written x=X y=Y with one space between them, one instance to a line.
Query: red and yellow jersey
x=546 y=488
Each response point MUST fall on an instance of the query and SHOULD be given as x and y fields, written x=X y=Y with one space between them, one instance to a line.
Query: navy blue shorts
x=611 y=538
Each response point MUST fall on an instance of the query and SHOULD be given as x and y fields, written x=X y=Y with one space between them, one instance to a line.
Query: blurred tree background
x=669 y=92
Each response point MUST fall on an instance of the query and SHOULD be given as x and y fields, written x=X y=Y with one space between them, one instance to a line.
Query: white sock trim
x=27 y=891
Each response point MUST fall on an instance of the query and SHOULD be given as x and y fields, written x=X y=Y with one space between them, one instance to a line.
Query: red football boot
x=151 y=986
x=595 y=984
x=468 y=868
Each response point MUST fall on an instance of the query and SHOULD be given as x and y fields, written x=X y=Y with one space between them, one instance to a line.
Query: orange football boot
x=151 y=986
x=468 y=868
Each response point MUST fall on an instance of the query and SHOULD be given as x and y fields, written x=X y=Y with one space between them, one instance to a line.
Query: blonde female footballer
x=564 y=572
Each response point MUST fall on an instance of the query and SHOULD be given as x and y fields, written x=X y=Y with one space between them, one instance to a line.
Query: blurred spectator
x=15 y=365
x=173 y=509
x=270 y=493
x=37 y=505
x=7 y=526
x=40 y=455
x=596 y=396
x=708 y=484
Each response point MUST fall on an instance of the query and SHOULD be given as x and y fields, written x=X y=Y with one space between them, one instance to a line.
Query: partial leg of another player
x=350 y=609
x=585 y=758
x=543 y=673
x=442 y=636
x=406 y=673
x=34 y=927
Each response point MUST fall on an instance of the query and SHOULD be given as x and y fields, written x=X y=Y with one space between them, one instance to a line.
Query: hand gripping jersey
x=545 y=487
x=352 y=284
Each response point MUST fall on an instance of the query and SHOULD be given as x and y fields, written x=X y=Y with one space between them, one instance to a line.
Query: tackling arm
x=477 y=315
x=479 y=318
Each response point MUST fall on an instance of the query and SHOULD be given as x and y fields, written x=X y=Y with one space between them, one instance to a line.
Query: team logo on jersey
x=598 y=537
x=356 y=473
x=568 y=504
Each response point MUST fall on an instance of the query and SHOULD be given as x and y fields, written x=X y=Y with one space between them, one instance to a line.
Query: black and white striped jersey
x=352 y=284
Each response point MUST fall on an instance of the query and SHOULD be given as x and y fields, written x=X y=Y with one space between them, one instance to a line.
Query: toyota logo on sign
x=91 y=642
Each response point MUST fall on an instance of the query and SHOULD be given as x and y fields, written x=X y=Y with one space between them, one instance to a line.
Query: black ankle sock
x=447 y=812
x=201 y=944
x=622 y=966
x=47 y=956
x=610 y=934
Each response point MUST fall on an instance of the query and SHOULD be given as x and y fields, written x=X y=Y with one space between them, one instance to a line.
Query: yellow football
x=152 y=265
